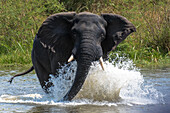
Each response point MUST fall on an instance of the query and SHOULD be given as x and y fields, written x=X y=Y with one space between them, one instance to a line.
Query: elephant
x=84 y=37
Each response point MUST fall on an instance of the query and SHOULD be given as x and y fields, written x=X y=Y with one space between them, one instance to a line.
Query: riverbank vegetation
x=150 y=45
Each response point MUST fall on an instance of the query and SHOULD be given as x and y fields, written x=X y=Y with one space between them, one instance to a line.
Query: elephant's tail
x=20 y=74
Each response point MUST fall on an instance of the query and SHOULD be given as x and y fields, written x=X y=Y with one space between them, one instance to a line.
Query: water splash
x=120 y=83
x=64 y=80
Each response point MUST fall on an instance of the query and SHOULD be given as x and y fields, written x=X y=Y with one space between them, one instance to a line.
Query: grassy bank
x=150 y=45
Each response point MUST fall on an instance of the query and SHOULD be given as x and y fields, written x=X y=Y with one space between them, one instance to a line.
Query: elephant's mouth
x=100 y=60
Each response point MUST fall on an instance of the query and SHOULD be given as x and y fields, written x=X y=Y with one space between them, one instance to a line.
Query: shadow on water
x=159 y=108
x=78 y=109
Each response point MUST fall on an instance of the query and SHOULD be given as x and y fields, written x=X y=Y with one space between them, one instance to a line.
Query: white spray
x=120 y=83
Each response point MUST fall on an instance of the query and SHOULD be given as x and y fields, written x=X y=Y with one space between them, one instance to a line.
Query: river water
x=121 y=88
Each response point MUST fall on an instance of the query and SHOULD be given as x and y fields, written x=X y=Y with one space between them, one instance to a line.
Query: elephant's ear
x=55 y=30
x=117 y=29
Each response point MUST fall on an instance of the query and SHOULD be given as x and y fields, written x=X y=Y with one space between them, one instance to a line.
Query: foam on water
x=120 y=83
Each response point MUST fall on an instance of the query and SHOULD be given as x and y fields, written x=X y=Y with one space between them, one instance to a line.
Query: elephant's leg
x=42 y=74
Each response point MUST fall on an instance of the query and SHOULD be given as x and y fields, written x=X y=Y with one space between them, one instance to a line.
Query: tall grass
x=19 y=22
x=21 y=19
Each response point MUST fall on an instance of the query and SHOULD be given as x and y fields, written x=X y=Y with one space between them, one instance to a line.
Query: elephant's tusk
x=71 y=58
x=101 y=63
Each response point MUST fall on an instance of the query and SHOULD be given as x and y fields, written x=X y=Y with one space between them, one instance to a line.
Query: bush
x=21 y=19
x=19 y=22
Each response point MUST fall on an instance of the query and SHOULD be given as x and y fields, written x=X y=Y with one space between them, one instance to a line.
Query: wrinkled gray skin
x=85 y=35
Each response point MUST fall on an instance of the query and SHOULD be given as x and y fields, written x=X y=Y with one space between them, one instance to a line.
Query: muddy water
x=121 y=88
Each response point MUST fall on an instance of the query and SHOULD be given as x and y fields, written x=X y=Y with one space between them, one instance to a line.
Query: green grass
x=150 y=45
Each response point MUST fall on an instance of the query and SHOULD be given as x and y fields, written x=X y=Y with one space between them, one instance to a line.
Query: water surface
x=121 y=88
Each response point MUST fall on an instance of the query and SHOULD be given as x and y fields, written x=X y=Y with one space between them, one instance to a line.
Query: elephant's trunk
x=84 y=60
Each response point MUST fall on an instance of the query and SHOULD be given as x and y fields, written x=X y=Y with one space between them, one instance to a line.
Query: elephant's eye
x=102 y=36
x=74 y=35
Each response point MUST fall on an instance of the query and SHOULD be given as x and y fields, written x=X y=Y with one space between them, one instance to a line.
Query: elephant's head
x=86 y=37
